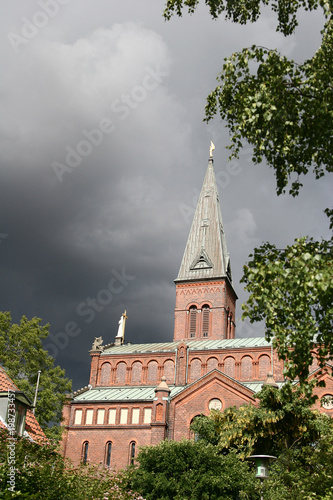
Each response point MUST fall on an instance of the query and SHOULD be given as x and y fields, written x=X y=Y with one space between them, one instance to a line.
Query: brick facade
x=141 y=394
x=221 y=301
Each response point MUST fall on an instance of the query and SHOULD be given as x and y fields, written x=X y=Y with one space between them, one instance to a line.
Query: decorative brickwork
x=139 y=395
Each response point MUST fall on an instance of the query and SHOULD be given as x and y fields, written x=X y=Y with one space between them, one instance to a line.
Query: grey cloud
x=121 y=207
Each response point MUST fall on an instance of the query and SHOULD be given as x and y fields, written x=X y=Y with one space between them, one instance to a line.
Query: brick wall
x=147 y=369
x=97 y=435
x=221 y=300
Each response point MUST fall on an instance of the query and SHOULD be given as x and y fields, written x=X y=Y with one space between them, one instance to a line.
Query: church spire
x=206 y=255
x=205 y=298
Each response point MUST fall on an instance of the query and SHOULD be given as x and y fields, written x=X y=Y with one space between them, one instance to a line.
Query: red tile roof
x=6 y=383
x=32 y=427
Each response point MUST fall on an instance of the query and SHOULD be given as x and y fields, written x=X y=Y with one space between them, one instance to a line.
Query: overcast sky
x=103 y=154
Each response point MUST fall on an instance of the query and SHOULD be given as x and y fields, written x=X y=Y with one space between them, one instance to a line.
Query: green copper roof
x=134 y=348
x=228 y=343
x=142 y=393
x=194 y=345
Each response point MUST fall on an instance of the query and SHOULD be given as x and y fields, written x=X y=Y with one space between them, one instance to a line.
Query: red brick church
x=141 y=394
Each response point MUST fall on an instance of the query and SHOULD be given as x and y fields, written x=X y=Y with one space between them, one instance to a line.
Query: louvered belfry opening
x=193 y=321
x=205 y=320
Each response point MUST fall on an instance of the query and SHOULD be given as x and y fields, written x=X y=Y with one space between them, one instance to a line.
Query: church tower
x=205 y=298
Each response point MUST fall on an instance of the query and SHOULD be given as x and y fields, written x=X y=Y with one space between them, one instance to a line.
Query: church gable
x=213 y=391
x=324 y=402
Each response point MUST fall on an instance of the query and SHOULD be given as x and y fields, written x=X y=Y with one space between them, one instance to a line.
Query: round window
x=215 y=404
x=327 y=402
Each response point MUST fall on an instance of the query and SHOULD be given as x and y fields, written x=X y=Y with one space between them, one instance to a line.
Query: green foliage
x=283 y=419
x=304 y=473
x=281 y=108
x=42 y=474
x=245 y=11
x=292 y=290
x=187 y=469
x=285 y=111
x=207 y=429
x=22 y=355
x=281 y=424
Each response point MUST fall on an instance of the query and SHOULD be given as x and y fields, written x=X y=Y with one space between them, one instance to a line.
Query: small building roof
x=32 y=427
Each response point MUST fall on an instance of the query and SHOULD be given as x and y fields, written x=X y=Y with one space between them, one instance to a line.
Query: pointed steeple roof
x=206 y=255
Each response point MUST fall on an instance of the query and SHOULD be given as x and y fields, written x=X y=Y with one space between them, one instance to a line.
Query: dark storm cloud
x=103 y=156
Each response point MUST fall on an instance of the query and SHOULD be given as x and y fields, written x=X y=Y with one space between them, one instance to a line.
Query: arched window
x=227 y=324
x=193 y=321
x=264 y=366
x=121 y=372
x=212 y=363
x=136 y=372
x=193 y=435
x=152 y=372
x=246 y=368
x=205 y=320
x=105 y=374
x=169 y=371
x=132 y=452
x=159 y=412
x=108 y=449
x=195 y=369
x=229 y=366
x=85 y=447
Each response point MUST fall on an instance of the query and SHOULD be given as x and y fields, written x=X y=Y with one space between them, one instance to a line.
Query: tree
x=292 y=290
x=22 y=355
x=39 y=472
x=188 y=469
x=249 y=10
x=304 y=473
x=282 y=420
x=282 y=424
x=284 y=109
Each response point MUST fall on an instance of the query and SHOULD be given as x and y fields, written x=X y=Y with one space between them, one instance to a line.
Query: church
x=141 y=394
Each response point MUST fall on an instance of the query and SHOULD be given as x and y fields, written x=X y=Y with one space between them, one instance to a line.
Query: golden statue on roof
x=121 y=328
x=211 y=149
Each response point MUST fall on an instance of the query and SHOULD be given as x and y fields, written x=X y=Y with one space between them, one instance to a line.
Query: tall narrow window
x=85 y=452
x=135 y=415
x=205 y=320
x=78 y=417
x=108 y=450
x=193 y=321
x=147 y=416
x=89 y=416
x=132 y=452
x=193 y=435
x=123 y=415
x=112 y=416
x=100 y=416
